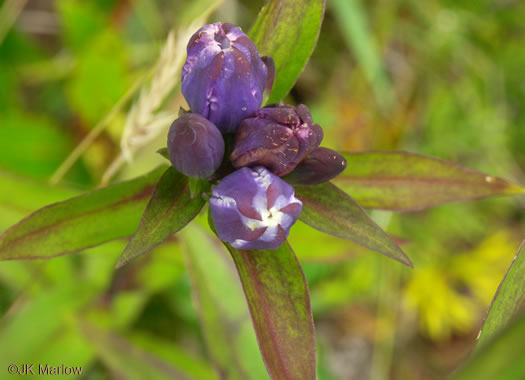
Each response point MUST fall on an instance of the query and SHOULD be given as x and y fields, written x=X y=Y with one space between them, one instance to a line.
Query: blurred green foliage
x=451 y=73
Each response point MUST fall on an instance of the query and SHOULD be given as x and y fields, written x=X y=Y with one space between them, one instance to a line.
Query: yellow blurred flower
x=452 y=298
x=440 y=307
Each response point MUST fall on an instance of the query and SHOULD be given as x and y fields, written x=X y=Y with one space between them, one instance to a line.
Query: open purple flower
x=224 y=76
x=195 y=146
x=277 y=137
x=254 y=209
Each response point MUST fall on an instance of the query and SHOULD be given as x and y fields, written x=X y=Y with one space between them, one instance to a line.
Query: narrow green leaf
x=287 y=30
x=279 y=303
x=125 y=359
x=179 y=357
x=508 y=301
x=170 y=209
x=221 y=305
x=501 y=358
x=406 y=181
x=328 y=209
x=78 y=223
x=351 y=18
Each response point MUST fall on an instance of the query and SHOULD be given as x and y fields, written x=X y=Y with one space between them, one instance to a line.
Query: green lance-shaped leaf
x=81 y=222
x=279 y=302
x=171 y=207
x=221 y=306
x=508 y=301
x=501 y=358
x=406 y=181
x=125 y=359
x=330 y=210
x=287 y=30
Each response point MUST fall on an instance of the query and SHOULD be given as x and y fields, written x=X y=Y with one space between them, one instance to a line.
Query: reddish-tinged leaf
x=171 y=207
x=330 y=210
x=406 y=181
x=81 y=222
x=279 y=303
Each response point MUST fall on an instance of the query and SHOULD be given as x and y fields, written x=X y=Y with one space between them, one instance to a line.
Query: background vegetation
x=443 y=78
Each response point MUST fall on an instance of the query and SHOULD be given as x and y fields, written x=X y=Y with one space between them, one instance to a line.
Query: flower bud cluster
x=223 y=81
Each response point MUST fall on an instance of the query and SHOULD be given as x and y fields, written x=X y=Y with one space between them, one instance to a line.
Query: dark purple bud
x=254 y=209
x=195 y=146
x=224 y=76
x=277 y=137
x=320 y=166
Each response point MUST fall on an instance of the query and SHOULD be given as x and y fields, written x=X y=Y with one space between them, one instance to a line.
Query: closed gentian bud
x=254 y=209
x=277 y=137
x=195 y=146
x=224 y=76
x=320 y=166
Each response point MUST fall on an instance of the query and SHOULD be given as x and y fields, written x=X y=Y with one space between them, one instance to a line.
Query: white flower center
x=272 y=217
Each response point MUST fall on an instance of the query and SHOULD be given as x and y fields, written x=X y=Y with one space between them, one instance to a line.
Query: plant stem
x=387 y=309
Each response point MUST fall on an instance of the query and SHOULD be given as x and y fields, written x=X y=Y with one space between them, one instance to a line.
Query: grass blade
x=125 y=359
x=352 y=21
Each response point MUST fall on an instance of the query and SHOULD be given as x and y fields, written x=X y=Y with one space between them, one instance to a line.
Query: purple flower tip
x=224 y=76
x=254 y=209
x=320 y=166
x=195 y=146
x=277 y=137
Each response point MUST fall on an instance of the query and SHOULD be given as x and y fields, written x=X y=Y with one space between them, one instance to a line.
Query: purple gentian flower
x=254 y=209
x=195 y=146
x=277 y=137
x=224 y=76
x=320 y=166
